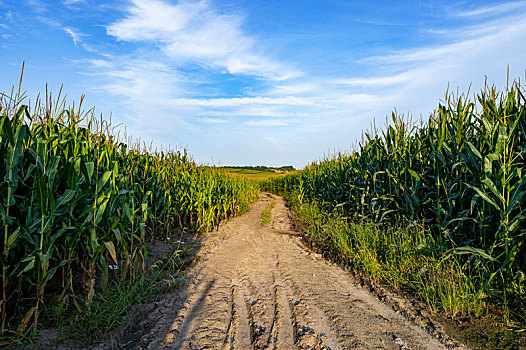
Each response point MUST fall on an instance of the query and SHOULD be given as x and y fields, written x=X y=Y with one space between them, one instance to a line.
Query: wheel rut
x=257 y=287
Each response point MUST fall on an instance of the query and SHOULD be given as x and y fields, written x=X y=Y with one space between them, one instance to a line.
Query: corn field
x=76 y=202
x=462 y=172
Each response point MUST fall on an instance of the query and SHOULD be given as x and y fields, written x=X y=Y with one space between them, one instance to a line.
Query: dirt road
x=256 y=287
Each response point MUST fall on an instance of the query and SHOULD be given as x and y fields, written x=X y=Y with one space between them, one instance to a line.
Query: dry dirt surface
x=258 y=287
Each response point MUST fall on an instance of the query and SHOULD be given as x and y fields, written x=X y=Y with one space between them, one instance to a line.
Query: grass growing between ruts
x=266 y=214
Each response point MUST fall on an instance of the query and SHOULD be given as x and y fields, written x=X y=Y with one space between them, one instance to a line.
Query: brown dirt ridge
x=258 y=287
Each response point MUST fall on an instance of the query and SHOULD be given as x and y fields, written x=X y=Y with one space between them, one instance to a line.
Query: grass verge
x=408 y=260
x=88 y=323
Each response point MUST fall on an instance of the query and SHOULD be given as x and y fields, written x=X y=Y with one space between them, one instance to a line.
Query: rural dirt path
x=257 y=287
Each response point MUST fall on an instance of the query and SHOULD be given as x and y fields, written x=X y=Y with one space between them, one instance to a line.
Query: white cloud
x=195 y=32
x=375 y=81
x=267 y=122
x=37 y=6
x=244 y=101
x=100 y=63
x=74 y=34
x=466 y=42
x=73 y=2
x=493 y=10
x=167 y=101
x=299 y=88
x=214 y=120
x=421 y=75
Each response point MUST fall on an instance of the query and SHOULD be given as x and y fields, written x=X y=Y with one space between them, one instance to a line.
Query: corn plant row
x=77 y=204
x=462 y=172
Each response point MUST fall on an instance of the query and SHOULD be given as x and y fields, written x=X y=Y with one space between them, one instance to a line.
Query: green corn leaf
x=87 y=169
x=488 y=166
x=2 y=122
x=94 y=240
x=128 y=212
x=29 y=265
x=493 y=157
x=52 y=272
x=414 y=174
x=142 y=227
x=473 y=149
x=90 y=166
x=13 y=236
x=489 y=184
x=475 y=251
x=9 y=132
x=516 y=223
x=484 y=196
x=102 y=181
x=44 y=263
x=65 y=198
x=517 y=196
x=100 y=211
x=50 y=197
x=501 y=140
x=117 y=233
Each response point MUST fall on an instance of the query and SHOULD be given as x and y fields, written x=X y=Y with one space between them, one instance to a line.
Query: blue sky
x=251 y=82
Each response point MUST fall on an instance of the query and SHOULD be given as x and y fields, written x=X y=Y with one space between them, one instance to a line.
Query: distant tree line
x=285 y=168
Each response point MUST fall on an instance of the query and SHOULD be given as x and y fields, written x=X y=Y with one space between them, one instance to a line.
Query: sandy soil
x=258 y=287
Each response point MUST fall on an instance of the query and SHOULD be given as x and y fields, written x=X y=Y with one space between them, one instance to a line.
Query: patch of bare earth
x=258 y=287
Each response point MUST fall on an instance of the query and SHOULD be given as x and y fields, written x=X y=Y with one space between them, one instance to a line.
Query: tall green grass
x=77 y=201
x=461 y=173
x=406 y=257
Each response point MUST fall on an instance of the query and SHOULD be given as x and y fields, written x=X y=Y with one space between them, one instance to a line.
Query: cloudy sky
x=248 y=82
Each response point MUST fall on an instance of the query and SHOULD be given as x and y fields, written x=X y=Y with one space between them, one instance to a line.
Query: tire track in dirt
x=257 y=287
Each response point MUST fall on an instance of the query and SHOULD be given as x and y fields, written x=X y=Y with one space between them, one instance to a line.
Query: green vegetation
x=266 y=214
x=437 y=208
x=76 y=202
x=406 y=257
x=265 y=169
x=251 y=173
x=91 y=322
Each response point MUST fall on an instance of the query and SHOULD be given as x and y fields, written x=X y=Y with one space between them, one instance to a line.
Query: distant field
x=251 y=174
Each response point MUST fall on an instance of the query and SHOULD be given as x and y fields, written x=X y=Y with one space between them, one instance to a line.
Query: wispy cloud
x=415 y=79
x=175 y=90
x=498 y=32
x=195 y=32
x=244 y=101
x=76 y=36
x=375 y=81
x=72 y=2
x=267 y=122
x=493 y=10
x=37 y=6
x=209 y=120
